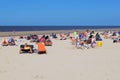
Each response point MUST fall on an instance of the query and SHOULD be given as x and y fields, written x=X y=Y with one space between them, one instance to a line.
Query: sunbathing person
x=42 y=39
x=26 y=48
x=114 y=35
x=48 y=42
x=62 y=37
x=93 y=42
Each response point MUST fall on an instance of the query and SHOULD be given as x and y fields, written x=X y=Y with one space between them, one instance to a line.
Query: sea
x=44 y=28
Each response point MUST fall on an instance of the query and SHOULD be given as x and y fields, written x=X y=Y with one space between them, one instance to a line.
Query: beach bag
x=99 y=44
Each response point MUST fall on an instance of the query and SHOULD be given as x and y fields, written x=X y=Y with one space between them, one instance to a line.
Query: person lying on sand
x=26 y=48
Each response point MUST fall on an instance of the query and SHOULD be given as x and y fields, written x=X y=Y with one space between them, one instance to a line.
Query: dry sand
x=62 y=62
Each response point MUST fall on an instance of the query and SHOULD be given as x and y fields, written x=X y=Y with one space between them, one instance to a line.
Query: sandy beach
x=62 y=62
x=59 y=39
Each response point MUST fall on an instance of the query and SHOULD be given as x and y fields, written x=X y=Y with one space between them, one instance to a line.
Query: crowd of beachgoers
x=79 y=55
x=92 y=39
x=79 y=39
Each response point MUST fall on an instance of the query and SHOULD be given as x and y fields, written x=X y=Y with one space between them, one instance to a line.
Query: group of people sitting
x=114 y=35
x=30 y=48
x=43 y=41
x=85 y=39
x=64 y=36
x=44 y=38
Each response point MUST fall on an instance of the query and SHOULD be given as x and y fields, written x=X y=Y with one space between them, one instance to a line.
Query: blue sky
x=59 y=12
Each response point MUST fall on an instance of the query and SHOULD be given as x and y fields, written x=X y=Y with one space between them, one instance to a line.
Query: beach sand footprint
x=3 y=71
x=39 y=77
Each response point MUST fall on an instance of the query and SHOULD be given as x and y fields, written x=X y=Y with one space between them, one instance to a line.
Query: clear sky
x=59 y=12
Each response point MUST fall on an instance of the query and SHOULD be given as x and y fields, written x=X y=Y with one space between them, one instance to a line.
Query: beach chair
x=41 y=48
x=23 y=50
x=4 y=43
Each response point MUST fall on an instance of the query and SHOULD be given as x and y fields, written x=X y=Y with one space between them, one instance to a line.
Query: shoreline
x=22 y=33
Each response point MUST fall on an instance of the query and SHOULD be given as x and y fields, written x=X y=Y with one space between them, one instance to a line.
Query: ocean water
x=43 y=28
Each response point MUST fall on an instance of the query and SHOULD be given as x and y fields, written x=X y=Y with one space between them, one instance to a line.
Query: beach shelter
x=41 y=48
x=98 y=38
x=4 y=43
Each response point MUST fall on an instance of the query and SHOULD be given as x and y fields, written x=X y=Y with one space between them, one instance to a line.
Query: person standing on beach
x=76 y=38
x=86 y=34
x=93 y=42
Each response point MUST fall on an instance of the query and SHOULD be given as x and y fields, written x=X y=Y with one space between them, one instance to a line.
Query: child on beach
x=86 y=44
x=80 y=44
x=93 y=42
